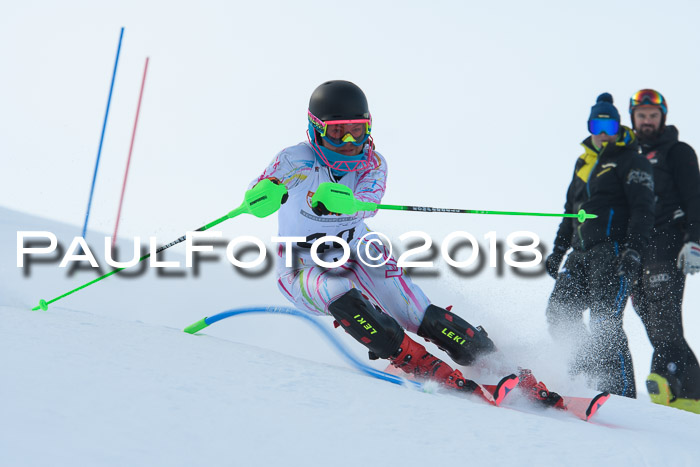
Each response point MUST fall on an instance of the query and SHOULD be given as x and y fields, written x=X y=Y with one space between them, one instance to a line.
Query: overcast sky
x=475 y=106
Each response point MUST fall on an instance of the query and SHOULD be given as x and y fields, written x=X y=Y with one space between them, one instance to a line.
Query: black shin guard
x=462 y=341
x=377 y=331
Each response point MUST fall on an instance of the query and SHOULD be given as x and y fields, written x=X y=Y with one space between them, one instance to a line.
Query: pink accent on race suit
x=318 y=289
x=308 y=290
x=364 y=271
x=285 y=288
x=361 y=284
x=265 y=175
x=409 y=292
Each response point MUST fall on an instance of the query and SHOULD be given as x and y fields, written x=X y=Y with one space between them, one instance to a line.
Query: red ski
x=494 y=394
x=585 y=407
x=581 y=407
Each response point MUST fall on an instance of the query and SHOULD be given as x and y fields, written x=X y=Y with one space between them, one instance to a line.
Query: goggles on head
x=340 y=132
x=648 y=97
x=603 y=125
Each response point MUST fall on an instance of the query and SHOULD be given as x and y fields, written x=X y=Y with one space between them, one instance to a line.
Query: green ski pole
x=581 y=215
x=261 y=201
x=340 y=198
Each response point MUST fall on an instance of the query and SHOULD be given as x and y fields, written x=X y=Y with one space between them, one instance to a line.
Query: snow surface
x=107 y=377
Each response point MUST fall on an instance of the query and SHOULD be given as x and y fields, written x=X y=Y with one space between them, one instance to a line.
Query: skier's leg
x=608 y=354
x=313 y=288
x=567 y=303
x=388 y=286
x=462 y=341
x=406 y=302
x=660 y=309
x=385 y=338
x=339 y=292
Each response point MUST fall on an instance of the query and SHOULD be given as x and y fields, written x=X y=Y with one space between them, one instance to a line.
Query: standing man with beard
x=673 y=252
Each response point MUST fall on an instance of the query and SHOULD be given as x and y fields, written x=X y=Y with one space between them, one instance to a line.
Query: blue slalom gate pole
x=102 y=137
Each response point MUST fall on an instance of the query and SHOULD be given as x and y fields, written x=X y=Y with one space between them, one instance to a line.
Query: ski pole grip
x=265 y=198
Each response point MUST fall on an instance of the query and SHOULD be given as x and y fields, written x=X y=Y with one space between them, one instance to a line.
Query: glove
x=320 y=210
x=276 y=181
x=266 y=197
x=630 y=265
x=689 y=258
x=332 y=198
x=553 y=261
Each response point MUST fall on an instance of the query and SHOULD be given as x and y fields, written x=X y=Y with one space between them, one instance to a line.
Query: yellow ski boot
x=660 y=393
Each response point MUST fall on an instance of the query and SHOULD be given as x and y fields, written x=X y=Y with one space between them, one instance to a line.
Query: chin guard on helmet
x=340 y=162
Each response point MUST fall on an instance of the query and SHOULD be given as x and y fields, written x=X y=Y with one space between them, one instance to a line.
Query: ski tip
x=504 y=386
x=596 y=403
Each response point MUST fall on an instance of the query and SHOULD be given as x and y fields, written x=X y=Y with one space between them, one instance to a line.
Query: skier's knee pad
x=379 y=332
x=462 y=341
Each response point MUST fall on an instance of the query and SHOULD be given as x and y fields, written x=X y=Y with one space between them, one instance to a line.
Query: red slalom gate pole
x=131 y=148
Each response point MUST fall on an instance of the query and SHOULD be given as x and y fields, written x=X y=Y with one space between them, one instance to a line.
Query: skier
x=611 y=180
x=375 y=305
x=674 y=251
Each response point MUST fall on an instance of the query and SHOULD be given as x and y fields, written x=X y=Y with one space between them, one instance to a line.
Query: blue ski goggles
x=603 y=125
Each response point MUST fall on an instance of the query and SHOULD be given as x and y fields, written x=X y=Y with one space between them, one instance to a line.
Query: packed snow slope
x=107 y=377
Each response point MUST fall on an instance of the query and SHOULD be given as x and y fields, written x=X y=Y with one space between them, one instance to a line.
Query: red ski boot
x=414 y=359
x=538 y=391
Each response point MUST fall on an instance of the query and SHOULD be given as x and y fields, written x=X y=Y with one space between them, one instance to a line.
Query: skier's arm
x=371 y=185
x=562 y=241
x=282 y=170
x=686 y=175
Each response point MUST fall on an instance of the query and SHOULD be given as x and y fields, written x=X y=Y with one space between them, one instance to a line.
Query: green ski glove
x=332 y=198
x=266 y=197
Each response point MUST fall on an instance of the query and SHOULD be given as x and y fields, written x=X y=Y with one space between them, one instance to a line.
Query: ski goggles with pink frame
x=340 y=132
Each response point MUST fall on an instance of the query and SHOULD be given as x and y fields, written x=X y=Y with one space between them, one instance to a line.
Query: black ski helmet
x=338 y=100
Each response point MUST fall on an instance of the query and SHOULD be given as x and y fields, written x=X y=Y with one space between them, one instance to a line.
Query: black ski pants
x=589 y=280
x=658 y=300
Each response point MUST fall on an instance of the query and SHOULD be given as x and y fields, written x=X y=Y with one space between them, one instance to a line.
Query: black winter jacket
x=676 y=183
x=617 y=185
